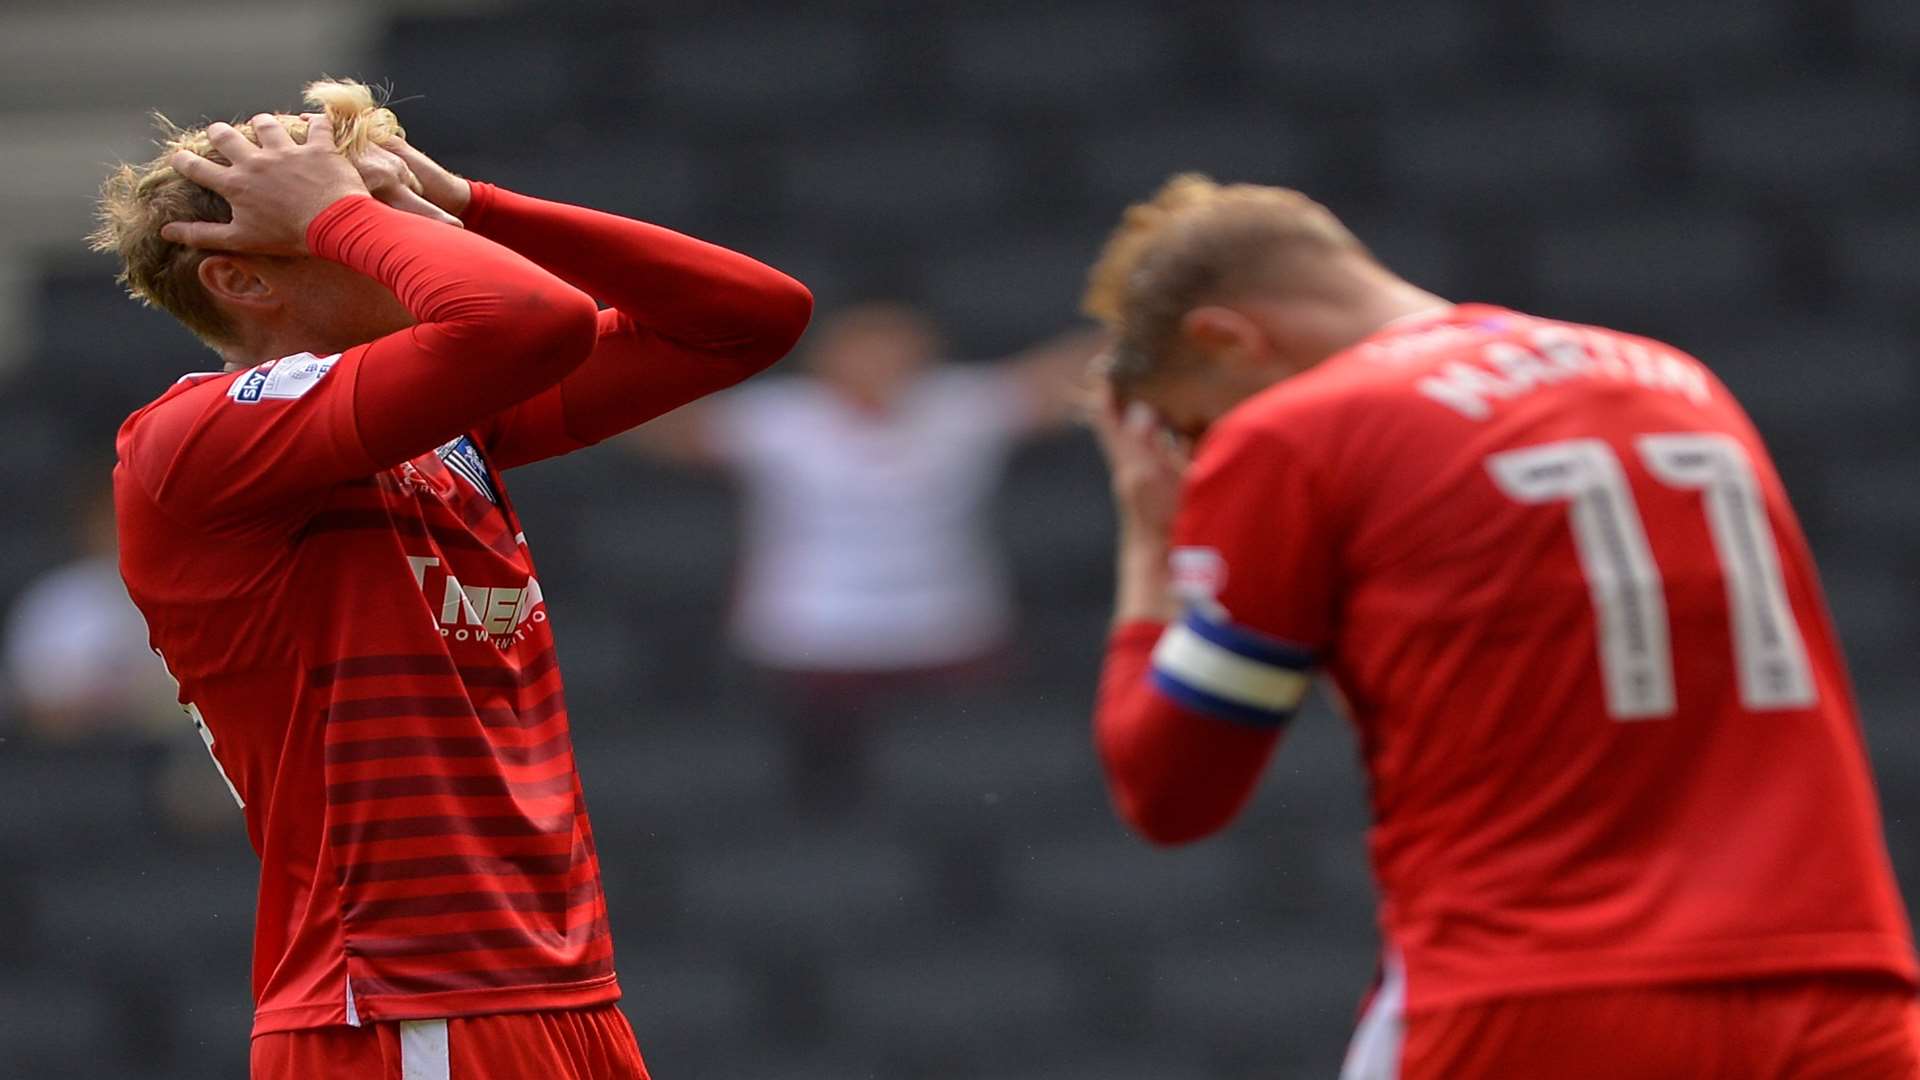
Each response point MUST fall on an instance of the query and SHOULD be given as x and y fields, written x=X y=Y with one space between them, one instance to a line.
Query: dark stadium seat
x=60 y=805
x=1060 y=54
x=453 y=104
x=55 y=1027
x=1002 y=755
x=1889 y=29
x=700 y=997
x=1265 y=993
x=822 y=890
x=864 y=177
x=755 y=71
x=1660 y=42
x=1812 y=141
x=152 y=911
x=1129 y=155
x=206 y=1015
x=1339 y=51
x=1872 y=252
x=1631 y=264
x=952 y=993
x=1017 y=287
x=1498 y=152
x=625 y=171
x=1118 y=891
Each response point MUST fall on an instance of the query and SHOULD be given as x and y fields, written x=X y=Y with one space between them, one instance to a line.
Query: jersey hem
x=490 y=1001
x=1822 y=954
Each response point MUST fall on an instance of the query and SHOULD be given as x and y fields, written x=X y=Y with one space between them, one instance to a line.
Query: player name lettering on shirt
x=1504 y=370
x=471 y=612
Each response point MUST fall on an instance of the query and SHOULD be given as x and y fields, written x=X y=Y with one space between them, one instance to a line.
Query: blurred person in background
x=321 y=541
x=869 y=574
x=77 y=660
x=1624 y=825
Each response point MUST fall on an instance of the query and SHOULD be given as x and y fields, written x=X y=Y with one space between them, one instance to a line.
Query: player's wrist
x=451 y=193
x=322 y=233
x=1144 y=585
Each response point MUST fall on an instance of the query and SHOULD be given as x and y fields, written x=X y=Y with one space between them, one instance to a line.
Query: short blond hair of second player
x=1196 y=239
x=136 y=201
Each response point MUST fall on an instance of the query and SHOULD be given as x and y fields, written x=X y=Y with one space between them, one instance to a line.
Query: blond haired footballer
x=322 y=542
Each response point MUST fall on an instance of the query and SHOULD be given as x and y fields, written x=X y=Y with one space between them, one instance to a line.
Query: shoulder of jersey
x=1377 y=374
x=180 y=386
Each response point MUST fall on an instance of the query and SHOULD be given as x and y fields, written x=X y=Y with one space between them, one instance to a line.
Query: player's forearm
x=683 y=289
x=1142 y=583
x=493 y=329
x=1175 y=775
x=460 y=286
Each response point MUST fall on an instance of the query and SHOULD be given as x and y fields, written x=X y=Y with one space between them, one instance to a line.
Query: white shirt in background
x=867 y=542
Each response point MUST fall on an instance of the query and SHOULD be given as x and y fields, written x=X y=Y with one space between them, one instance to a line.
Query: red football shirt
x=1559 y=587
x=329 y=563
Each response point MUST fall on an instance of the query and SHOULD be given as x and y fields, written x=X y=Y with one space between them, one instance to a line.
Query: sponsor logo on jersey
x=500 y=613
x=1198 y=573
x=284 y=379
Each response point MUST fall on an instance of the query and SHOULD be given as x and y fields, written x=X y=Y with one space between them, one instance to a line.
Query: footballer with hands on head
x=329 y=564
x=1623 y=824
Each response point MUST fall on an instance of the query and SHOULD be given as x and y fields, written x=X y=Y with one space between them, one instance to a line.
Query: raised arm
x=492 y=329
x=1199 y=681
x=687 y=317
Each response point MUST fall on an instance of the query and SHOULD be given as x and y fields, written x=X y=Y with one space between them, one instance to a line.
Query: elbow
x=1167 y=819
x=556 y=326
x=1159 y=804
x=781 y=313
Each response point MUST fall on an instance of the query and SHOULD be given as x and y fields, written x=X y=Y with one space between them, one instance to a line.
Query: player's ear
x=1222 y=333
x=235 y=280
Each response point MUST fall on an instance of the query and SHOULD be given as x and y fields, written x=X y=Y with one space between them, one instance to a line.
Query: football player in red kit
x=1623 y=821
x=330 y=565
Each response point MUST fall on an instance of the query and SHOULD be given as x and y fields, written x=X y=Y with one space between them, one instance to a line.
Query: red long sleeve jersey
x=330 y=565
x=1557 y=582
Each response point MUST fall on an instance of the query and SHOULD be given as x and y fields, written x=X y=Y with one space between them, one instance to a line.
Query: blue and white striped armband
x=1211 y=666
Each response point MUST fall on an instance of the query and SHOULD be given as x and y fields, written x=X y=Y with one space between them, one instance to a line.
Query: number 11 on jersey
x=1629 y=602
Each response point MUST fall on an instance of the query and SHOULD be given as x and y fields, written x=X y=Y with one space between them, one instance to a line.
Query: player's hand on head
x=393 y=182
x=438 y=184
x=275 y=188
x=1146 y=462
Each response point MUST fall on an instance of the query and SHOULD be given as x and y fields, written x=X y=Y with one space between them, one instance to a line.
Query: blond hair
x=136 y=201
x=1196 y=240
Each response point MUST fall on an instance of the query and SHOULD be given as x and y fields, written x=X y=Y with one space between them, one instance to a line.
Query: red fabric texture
x=1175 y=774
x=1824 y=1029
x=578 y=1044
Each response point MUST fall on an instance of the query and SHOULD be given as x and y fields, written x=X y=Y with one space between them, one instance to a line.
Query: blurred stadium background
x=1737 y=176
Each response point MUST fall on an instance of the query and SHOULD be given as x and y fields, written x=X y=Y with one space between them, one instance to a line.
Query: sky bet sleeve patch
x=283 y=379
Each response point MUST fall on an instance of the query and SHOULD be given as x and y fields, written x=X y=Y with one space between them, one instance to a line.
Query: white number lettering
x=1767 y=649
x=1628 y=601
x=1636 y=656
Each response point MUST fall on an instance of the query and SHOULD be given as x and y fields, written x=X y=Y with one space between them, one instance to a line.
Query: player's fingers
x=209 y=235
x=227 y=139
x=320 y=130
x=207 y=174
x=1104 y=417
x=271 y=133
x=406 y=199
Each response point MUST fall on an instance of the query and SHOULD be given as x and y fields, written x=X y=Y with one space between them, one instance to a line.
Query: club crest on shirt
x=463 y=458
